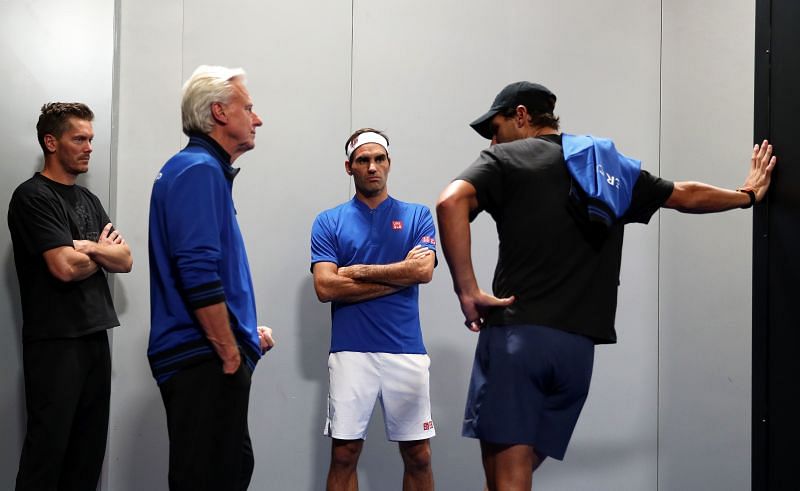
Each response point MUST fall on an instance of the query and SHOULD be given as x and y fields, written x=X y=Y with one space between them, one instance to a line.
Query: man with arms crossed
x=555 y=286
x=63 y=245
x=204 y=341
x=368 y=255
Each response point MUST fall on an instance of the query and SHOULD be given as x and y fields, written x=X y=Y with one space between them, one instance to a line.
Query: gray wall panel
x=705 y=285
x=297 y=57
x=297 y=62
x=669 y=406
x=50 y=51
x=149 y=131
x=422 y=71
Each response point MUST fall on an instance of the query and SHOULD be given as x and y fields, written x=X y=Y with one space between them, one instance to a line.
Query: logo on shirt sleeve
x=397 y=225
x=428 y=240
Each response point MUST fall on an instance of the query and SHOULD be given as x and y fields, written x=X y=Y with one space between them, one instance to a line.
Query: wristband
x=750 y=193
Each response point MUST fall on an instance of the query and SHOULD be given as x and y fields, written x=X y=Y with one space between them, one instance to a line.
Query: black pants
x=67 y=390
x=209 y=442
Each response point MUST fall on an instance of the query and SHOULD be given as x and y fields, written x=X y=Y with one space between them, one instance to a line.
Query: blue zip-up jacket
x=197 y=258
x=606 y=177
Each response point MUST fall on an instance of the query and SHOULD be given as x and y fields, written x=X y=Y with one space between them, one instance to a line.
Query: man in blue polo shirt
x=368 y=255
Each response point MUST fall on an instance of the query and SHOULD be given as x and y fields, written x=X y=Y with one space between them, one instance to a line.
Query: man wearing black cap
x=555 y=285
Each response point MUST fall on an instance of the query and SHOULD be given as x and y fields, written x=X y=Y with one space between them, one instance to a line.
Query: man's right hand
x=230 y=364
x=476 y=307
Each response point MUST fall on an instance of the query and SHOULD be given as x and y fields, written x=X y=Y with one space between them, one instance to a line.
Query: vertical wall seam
x=352 y=63
x=113 y=171
x=183 y=58
x=113 y=178
x=658 y=249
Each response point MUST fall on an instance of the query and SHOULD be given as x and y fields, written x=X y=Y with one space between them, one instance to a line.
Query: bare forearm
x=82 y=268
x=217 y=328
x=401 y=274
x=114 y=258
x=697 y=197
x=342 y=289
x=68 y=264
x=455 y=238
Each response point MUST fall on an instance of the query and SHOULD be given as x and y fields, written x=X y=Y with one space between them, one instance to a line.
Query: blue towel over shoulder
x=605 y=176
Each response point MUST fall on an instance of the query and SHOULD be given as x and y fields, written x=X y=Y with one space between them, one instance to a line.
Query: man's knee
x=345 y=453
x=416 y=455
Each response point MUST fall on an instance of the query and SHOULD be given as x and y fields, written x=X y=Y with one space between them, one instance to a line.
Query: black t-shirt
x=560 y=277
x=43 y=215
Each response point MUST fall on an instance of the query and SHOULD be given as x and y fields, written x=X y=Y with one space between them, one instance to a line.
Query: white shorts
x=400 y=381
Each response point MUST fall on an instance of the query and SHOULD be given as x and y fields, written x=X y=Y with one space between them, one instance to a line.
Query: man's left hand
x=761 y=164
x=265 y=338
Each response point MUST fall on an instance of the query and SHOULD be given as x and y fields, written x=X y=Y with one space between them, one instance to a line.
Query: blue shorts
x=528 y=387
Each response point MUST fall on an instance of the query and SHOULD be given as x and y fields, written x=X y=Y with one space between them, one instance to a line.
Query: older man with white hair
x=204 y=339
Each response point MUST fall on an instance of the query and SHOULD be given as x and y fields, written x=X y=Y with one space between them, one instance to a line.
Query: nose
x=257 y=120
x=372 y=169
x=88 y=147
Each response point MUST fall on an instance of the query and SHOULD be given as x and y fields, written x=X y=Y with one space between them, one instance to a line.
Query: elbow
x=323 y=294
x=426 y=276
x=64 y=274
x=685 y=198
x=444 y=205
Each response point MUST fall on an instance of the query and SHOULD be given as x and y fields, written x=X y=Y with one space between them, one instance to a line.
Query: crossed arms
x=76 y=263
x=360 y=282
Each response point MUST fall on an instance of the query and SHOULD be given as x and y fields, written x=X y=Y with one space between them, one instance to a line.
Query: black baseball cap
x=535 y=97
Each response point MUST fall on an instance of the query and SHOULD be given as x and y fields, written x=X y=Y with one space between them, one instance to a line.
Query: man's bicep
x=39 y=224
x=466 y=191
x=323 y=241
x=325 y=276
x=323 y=268
x=194 y=225
x=61 y=262
x=57 y=256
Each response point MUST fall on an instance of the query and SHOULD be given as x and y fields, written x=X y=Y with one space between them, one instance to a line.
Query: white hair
x=207 y=85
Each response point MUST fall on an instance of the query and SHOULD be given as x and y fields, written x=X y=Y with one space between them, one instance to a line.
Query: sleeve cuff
x=204 y=295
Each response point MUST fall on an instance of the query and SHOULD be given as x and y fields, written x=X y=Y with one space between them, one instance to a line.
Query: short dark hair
x=535 y=118
x=54 y=119
x=360 y=131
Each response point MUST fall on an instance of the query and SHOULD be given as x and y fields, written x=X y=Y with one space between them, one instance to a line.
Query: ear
x=522 y=116
x=218 y=113
x=50 y=142
x=347 y=168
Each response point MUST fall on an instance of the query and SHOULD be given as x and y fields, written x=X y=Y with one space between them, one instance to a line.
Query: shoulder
x=187 y=166
x=408 y=208
x=192 y=159
x=332 y=216
x=32 y=190
x=647 y=180
x=337 y=211
x=526 y=146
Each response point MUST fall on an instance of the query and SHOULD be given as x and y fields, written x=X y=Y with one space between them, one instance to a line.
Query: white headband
x=363 y=139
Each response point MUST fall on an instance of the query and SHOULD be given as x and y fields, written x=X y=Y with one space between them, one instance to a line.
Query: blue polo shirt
x=352 y=233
